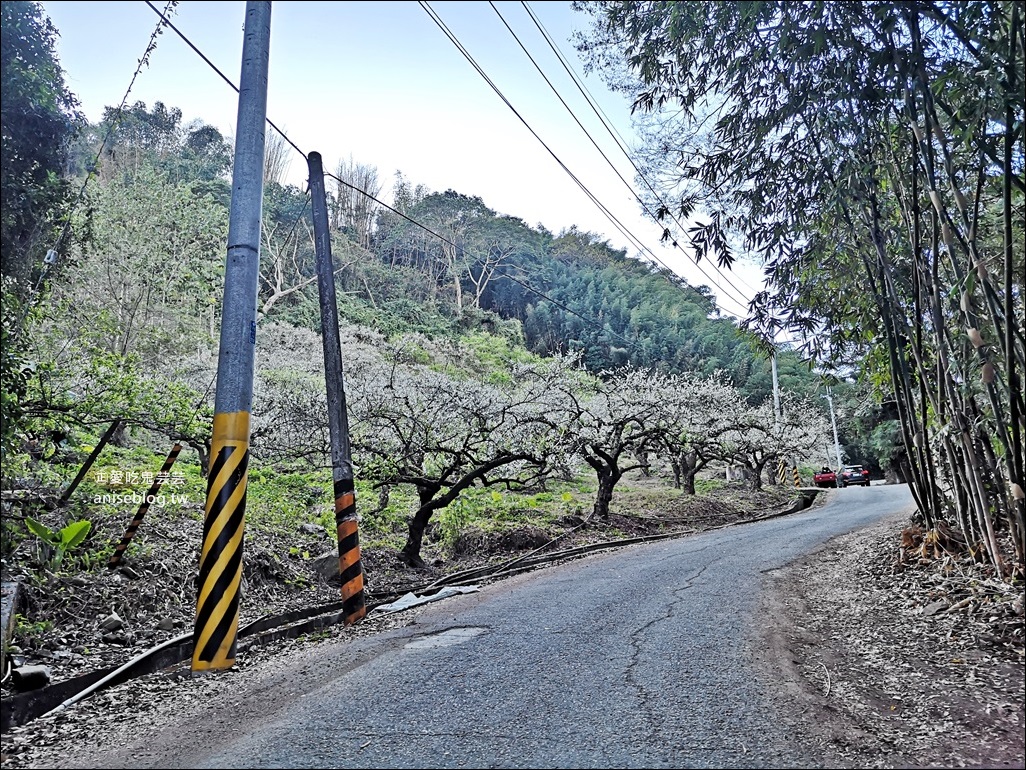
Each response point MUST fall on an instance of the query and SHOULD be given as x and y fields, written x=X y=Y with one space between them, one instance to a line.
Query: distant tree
x=353 y=209
x=492 y=247
x=457 y=218
x=133 y=301
x=392 y=227
x=277 y=158
x=139 y=137
x=611 y=423
x=147 y=276
x=690 y=411
x=755 y=437
x=287 y=256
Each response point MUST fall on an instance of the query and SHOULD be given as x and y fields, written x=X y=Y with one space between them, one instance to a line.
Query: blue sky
x=379 y=81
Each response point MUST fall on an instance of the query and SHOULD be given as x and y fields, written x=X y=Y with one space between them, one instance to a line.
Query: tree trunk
x=120 y=436
x=607 y=479
x=642 y=458
x=384 y=497
x=203 y=450
x=756 y=479
x=428 y=505
x=675 y=466
x=688 y=478
x=411 y=551
x=431 y=501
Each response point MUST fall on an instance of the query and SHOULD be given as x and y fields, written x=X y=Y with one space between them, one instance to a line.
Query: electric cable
x=609 y=215
x=610 y=163
x=615 y=134
x=442 y=238
x=224 y=77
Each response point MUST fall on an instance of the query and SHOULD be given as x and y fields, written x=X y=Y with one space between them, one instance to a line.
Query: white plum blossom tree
x=443 y=433
x=609 y=421
x=754 y=436
x=690 y=411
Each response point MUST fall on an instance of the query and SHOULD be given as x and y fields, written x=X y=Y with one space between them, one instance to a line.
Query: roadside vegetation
x=477 y=362
x=872 y=156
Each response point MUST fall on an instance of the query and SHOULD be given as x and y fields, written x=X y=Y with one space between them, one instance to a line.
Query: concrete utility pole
x=773 y=369
x=776 y=386
x=837 y=444
x=349 y=564
x=220 y=574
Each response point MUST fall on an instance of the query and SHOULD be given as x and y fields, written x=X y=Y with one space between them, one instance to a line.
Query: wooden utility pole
x=350 y=566
x=220 y=573
x=89 y=462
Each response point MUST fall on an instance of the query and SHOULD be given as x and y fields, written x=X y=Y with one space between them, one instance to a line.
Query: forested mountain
x=473 y=267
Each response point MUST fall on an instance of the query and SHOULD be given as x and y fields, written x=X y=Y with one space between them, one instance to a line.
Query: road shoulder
x=856 y=661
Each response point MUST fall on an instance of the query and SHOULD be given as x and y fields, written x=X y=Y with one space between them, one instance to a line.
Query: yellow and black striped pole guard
x=797 y=478
x=119 y=550
x=220 y=573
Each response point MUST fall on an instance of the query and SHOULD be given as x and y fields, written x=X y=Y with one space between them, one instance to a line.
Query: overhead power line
x=439 y=236
x=427 y=229
x=615 y=134
x=224 y=77
x=612 y=218
x=605 y=157
x=609 y=215
x=590 y=322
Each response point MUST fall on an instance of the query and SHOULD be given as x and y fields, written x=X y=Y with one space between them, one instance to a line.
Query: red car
x=853 y=475
x=825 y=478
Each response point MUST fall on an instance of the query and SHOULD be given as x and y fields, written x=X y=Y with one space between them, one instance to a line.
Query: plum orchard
x=419 y=420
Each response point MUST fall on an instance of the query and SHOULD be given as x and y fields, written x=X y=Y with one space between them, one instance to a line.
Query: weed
x=31 y=632
x=453 y=519
x=54 y=545
x=705 y=486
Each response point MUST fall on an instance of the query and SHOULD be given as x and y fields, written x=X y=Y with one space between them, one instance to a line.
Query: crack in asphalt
x=644 y=694
x=474 y=733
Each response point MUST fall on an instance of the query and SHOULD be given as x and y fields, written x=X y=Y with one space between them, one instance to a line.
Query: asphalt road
x=637 y=658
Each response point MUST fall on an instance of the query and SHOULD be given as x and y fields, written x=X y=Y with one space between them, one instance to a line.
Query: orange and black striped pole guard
x=350 y=566
x=220 y=572
x=119 y=550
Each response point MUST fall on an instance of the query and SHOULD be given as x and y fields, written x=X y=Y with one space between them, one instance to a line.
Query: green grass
x=705 y=486
x=281 y=499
